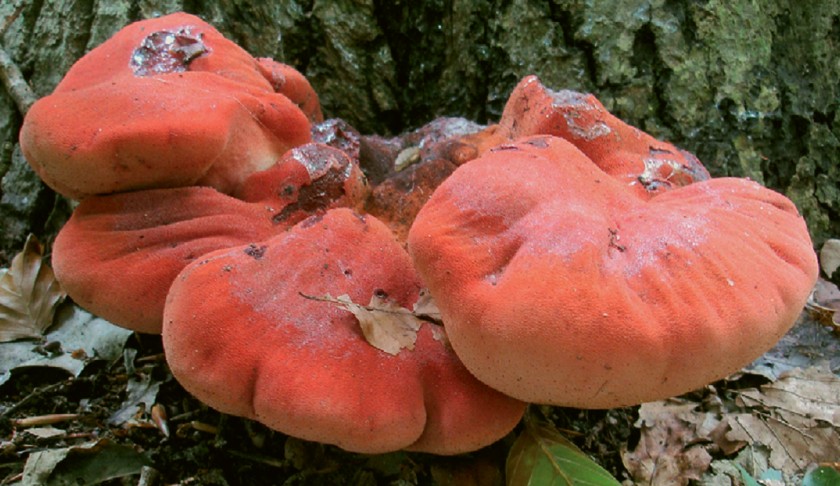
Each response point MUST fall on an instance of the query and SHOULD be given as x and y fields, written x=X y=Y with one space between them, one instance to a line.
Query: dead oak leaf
x=797 y=417
x=386 y=325
x=427 y=307
x=29 y=295
x=669 y=451
x=823 y=304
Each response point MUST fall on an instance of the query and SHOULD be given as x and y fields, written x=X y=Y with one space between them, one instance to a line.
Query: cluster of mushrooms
x=575 y=260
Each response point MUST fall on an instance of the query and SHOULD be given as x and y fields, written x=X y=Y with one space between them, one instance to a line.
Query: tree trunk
x=750 y=87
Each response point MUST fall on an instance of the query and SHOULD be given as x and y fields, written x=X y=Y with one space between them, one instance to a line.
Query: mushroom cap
x=648 y=165
x=118 y=254
x=241 y=336
x=561 y=284
x=289 y=81
x=166 y=102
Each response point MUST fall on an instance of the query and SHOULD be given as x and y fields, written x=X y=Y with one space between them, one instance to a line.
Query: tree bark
x=750 y=87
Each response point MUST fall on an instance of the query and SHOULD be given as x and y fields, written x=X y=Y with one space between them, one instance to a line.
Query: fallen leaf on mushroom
x=386 y=325
x=241 y=334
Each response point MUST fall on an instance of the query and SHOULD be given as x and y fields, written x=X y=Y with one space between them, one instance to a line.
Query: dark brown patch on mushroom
x=398 y=199
x=167 y=51
x=255 y=252
x=287 y=191
x=504 y=147
x=614 y=240
x=317 y=195
x=338 y=134
x=659 y=151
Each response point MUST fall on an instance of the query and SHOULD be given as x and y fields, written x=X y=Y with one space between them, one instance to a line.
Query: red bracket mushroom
x=625 y=152
x=600 y=269
x=241 y=335
x=118 y=254
x=166 y=102
x=560 y=283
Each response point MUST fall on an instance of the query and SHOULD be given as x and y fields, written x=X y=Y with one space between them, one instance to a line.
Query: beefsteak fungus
x=560 y=283
x=243 y=334
x=166 y=102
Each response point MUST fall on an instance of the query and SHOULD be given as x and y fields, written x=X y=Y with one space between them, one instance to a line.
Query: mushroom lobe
x=244 y=335
x=561 y=284
x=166 y=102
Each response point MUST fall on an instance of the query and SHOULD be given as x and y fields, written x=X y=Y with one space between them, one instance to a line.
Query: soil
x=197 y=445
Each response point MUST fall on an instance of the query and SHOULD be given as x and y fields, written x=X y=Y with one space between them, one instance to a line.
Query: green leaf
x=822 y=476
x=541 y=456
x=90 y=463
x=746 y=477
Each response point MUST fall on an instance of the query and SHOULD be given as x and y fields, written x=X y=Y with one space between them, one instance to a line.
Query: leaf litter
x=797 y=417
x=141 y=394
x=89 y=463
x=785 y=427
x=717 y=435
x=29 y=295
x=778 y=418
x=77 y=339
x=670 y=449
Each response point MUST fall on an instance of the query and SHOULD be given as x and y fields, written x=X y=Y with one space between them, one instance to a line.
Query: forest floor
x=90 y=403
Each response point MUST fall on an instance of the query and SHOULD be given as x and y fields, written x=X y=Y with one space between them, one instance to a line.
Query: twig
x=12 y=479
x=50 y=419
x=204 y=427
x=31 y=396
x=158 y=414
x=16 y=85
x=259 y=458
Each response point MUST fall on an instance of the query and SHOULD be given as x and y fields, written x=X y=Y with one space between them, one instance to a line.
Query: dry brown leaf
x=823 y=304
x=426 y=306
x=385 y=325
x=668 y=452
x=797 y=417
x=804 y=396
x=830 y=257
x=29 y=295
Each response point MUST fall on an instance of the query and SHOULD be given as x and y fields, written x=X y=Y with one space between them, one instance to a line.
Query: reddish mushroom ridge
x=166 y=102
x=562 y=284
x=243 y=333
x=118 y=254
x=648 y=165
